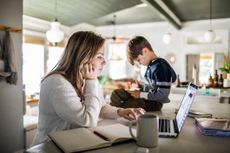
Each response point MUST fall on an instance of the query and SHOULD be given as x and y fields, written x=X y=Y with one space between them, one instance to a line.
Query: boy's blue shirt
x=160 y=76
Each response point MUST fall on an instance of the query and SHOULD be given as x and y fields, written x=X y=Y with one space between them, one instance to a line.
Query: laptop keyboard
x=164 y=125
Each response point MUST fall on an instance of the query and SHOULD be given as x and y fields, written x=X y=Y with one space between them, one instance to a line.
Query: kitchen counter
x=210 y=94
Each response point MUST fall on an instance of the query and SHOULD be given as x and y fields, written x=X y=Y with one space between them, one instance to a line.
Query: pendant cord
x=114 y=26
x=210 y=14
x=55 y=9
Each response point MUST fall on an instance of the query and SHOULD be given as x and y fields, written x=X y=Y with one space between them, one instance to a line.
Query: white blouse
x=60 y=107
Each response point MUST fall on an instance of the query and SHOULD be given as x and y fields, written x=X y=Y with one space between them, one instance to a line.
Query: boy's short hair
x=135 y=47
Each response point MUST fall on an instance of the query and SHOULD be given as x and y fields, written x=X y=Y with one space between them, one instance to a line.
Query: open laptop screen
x=185 y=105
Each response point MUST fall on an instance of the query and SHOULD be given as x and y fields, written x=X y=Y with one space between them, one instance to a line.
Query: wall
x=82 y=27
x=37 y=27
x=155 y=31
x=11 y=103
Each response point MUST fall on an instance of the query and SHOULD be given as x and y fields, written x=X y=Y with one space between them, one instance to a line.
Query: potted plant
x=226 y=68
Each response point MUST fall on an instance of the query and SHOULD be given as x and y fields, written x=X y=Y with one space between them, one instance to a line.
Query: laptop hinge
x=175 y=126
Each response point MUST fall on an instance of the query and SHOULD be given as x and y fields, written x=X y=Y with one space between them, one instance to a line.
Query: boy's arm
x=159 y=88
x=160 y=95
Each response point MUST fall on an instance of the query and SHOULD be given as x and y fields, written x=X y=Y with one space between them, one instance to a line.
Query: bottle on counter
x=210 y=81
x=216 y=79
x=178 y=81
x=221 y=81
x=194 y=74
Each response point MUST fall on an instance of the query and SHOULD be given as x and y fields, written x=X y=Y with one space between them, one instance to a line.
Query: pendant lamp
x=55 y=35
x=167 y=38
x=209 y=36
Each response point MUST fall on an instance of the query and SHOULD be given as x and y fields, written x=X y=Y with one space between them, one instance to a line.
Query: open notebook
x=173 y=127
x=81 y=139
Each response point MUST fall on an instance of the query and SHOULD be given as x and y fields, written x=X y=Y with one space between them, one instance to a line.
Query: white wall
x=11 y=96
x=154 y=32
x=82 y=27
x=38 y=27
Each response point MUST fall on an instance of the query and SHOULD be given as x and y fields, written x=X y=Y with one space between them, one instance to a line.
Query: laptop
x=172 y=127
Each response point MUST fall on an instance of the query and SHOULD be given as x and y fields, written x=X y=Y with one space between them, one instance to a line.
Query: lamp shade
x=55 y=35
x=209 y=35
x=167 y=38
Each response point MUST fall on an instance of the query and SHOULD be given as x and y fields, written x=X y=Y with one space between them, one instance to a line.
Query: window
x=206 y=64
x=117 y=60
x=206 y=67
x=37 y=63
x=33 y=67
x=54 y=55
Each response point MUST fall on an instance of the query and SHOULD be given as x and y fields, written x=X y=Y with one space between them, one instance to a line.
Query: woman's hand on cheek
x=89 y=72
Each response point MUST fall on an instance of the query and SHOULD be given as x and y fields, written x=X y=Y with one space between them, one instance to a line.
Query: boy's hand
x=135 y=93
x=140 y=84
x=136 y=84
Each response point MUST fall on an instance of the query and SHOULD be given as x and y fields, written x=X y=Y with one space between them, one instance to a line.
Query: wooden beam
x=8 y=28
x=40 y=41
x=164 y=11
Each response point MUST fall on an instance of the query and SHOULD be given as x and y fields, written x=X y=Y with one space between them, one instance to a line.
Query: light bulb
x=172 y=59
x=209 y=35
x=55 y=35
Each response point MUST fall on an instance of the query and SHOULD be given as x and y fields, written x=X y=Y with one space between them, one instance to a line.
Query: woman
x=70 y=95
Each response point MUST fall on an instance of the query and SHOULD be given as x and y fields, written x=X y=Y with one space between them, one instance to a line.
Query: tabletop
x=190 y=140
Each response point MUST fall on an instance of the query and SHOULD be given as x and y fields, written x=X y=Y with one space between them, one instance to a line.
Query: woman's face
x=98 y=61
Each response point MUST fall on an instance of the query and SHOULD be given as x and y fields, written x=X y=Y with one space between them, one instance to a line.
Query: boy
x=159 y=75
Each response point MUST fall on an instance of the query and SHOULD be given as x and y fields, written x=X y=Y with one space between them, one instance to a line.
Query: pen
x=101 y=136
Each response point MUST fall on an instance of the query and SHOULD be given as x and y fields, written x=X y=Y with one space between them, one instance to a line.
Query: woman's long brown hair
x=80 y=49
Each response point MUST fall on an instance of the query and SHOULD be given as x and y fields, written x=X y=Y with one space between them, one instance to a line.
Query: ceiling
x=101 y=12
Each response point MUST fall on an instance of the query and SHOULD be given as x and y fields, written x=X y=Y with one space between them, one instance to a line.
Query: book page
x=114 y=132
x=77 y=140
